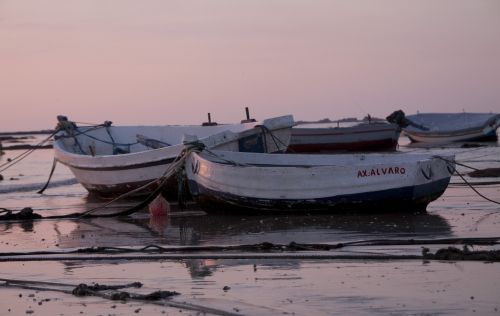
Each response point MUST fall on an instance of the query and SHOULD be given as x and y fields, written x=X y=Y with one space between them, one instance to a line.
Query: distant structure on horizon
x=367 y=118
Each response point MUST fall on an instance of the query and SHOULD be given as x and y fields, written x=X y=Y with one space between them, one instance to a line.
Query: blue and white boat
x=235 y=181
x=452 y=127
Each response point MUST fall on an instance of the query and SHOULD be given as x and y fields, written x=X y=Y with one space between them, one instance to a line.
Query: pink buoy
x=159 y=207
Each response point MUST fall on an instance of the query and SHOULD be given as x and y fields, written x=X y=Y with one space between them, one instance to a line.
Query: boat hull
x=363 y=137
x=453 y=127
x=402 y=199
x=361 y=184
x=488 y=134
x=110 y=182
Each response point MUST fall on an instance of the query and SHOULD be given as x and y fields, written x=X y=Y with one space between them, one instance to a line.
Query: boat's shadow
x=246 y=230
x=311 y=228
x=231 y=230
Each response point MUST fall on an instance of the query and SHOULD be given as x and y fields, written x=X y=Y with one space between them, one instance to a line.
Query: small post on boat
x=248 y=119
x=209 y=123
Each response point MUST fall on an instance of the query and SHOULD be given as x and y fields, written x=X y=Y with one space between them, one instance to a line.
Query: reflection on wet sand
x=26 y=226
x=233 y=230
x=309 y=228
x=227 y=230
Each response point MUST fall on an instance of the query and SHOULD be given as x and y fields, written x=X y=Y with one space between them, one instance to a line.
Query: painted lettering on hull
x=374 y=172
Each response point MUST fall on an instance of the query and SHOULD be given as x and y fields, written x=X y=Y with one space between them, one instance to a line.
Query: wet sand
x=254 y=286
x=274 y=287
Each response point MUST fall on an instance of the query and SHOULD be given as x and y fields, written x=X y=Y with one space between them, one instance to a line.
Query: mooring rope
x=464 y=180
x=172 y=169
x=214 y=256
x=264 y=247
x=46 y=185
x=464 y=165
x=94 y=286
x=114 y=293
x=25 y=154
x=265 y=130
x=450 y=253
x=275 y=138
x=474 y=189
x=79 y=131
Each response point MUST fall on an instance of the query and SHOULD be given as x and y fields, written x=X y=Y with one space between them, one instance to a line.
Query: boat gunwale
x=228 y=157
x=89 y=162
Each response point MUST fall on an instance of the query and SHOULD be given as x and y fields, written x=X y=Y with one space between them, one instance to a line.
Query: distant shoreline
x=23 y=147
x=21 y=137
x=42 y=132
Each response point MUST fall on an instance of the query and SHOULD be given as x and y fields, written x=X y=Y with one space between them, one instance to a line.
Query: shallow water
x=257 y=286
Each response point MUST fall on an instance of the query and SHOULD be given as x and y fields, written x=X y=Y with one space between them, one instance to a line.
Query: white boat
x=452 y=127
x=376 y=136
x=112 y=160
x=232 y=181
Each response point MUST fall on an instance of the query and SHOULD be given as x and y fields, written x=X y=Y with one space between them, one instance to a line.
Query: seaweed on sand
x=455 y=254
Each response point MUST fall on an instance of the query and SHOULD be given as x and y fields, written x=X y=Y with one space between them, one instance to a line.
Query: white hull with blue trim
x=234 y=181
x=452 y=127
x=109 y=160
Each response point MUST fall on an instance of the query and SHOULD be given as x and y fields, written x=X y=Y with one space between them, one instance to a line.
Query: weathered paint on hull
x=111 y=191
x=114 y=181
x=415 y=198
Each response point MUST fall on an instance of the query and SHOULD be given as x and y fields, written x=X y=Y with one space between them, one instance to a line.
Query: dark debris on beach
x=455 y=254
x=485 y=173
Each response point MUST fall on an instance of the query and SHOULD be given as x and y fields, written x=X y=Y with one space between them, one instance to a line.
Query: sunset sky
x=170 y=62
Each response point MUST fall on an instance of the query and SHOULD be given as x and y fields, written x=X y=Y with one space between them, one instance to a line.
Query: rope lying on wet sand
x=264 y=250
x=77 y=290
x=111 y=292
x=218 y=256
x=450 y=253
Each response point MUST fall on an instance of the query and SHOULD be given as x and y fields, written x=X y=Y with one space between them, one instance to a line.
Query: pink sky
x=171 y=62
